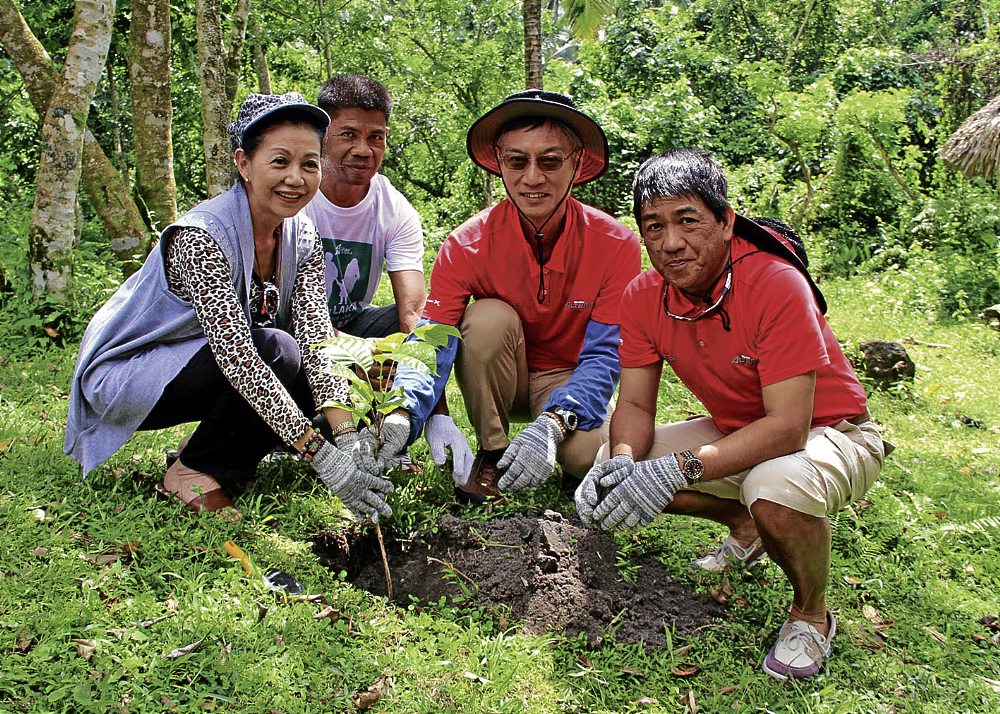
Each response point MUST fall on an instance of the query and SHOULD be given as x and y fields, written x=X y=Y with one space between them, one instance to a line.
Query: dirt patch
x=551 y=572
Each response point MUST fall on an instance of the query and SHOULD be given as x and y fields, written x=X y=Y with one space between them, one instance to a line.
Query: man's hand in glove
x=530 y=458
x=643 y=494
x=442 y=433
x=376 y=454
x=363 y=493
x=590 y=491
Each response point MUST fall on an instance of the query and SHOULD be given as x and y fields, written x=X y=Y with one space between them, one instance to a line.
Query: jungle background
x=828 y=114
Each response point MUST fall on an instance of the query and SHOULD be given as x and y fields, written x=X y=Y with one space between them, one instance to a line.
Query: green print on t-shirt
x=348 y=267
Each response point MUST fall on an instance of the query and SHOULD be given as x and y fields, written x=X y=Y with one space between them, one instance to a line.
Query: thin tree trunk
x=259 y=57
x=215 y=108
x=152 y=114
x=532 y=43
x=51 y=233
x=107 y=192
x=234 y=56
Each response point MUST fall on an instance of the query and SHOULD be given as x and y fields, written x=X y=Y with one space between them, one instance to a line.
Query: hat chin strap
x=539 y=235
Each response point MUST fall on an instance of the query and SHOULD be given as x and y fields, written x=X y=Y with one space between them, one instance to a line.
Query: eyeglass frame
x=502 y=160
x=714 y=307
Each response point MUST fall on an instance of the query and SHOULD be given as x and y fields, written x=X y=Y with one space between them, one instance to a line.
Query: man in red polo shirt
x=540 y=340
x=788 y=440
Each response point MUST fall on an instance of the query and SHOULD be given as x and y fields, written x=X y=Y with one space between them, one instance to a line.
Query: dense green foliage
x=826 y=114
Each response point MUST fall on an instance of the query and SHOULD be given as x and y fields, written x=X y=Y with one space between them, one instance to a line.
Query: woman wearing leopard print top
x=221 y=325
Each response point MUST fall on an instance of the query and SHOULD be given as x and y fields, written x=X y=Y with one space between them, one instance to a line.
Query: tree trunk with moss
x=259 y=57
x=532 y=43
x=107 y=192
x=51 y=234
x=215 y=108
x=152 y=115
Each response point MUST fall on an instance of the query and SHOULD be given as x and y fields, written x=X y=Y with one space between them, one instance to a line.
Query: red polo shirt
x=489 y=257
x=776 y=332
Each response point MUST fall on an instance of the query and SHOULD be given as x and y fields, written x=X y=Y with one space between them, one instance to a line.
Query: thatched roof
x=975 y=148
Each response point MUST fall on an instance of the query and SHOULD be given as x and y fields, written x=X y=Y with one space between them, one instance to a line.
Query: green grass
x=105 y=563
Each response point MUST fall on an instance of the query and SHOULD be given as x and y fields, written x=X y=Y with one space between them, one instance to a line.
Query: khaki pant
x=492 y=373
x=837 y=466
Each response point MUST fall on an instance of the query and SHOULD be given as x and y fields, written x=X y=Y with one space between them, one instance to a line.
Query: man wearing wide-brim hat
x=540 y=339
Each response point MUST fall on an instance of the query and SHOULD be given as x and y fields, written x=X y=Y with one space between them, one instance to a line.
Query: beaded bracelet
x=312 y=446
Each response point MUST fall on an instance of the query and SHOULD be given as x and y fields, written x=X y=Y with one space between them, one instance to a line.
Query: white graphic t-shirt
x=356 y=241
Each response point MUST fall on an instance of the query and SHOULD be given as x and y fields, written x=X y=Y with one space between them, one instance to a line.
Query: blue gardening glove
x=643 y=494
x=592 y=489
x=442 y=433
x=530 y=458
x=375 y=455
x=363 y=493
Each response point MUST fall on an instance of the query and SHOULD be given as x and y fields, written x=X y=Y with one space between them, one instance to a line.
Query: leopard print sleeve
x=311 y=325
x=198 y=271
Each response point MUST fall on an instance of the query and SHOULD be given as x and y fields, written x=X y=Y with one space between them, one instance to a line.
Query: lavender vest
x=145 y=334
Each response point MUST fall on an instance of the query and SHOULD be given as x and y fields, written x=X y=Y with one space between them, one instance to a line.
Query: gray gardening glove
x=346 y=441
x=362 y=492
x=530 y=458
x=378 y=455
x=643 y=494
x=592 y=489
x=442 y=433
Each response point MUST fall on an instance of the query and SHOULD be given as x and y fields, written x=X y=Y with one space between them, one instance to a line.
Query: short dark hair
x=347 y=91
x=255 y=134
x=681 y=172
x=521 y=123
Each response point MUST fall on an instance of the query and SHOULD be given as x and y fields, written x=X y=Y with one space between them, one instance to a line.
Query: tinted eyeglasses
x=708 y=310
x=547 y=163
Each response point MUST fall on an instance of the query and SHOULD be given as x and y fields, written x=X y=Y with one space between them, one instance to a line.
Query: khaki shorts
x=838 y=465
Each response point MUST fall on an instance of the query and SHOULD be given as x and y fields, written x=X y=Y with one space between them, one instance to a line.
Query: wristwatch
x=694 y=468
x=569 y=419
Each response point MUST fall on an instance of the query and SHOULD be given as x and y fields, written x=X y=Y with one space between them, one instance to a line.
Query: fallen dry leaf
x=167 y=702
x=85 y=648
x=369 y=698
x=181 y=651
x=4 y=445
x=475 y=677
x=717 y=595
x=633 y=672
x=862 y=504
x=50 y=331
x=852 y=581
x=328 y=613
x=171 y=604
x=940 y=637
x=684 y=669
x=131 y=546
x=681 y=651
x=224 y=653
x=730 y=689
x=991 y=621
x=646 y=700
x=692 y=704
x=584 y=661
x=24 y=643
x=39 y=552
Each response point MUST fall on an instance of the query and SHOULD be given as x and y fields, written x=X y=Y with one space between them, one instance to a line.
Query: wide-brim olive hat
x=545 y=105
x=257 y=107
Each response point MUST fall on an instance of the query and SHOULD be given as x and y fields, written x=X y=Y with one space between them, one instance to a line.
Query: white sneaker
x=731 y=555
x=800 y=650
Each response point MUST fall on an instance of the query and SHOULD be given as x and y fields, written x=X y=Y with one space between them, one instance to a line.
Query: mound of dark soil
x=550 y=572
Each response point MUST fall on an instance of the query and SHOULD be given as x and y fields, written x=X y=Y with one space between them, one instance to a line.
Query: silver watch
x=694 y=468
x=569 y=419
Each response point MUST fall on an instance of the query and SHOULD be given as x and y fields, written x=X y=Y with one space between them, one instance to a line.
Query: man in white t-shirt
x=363 y=220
